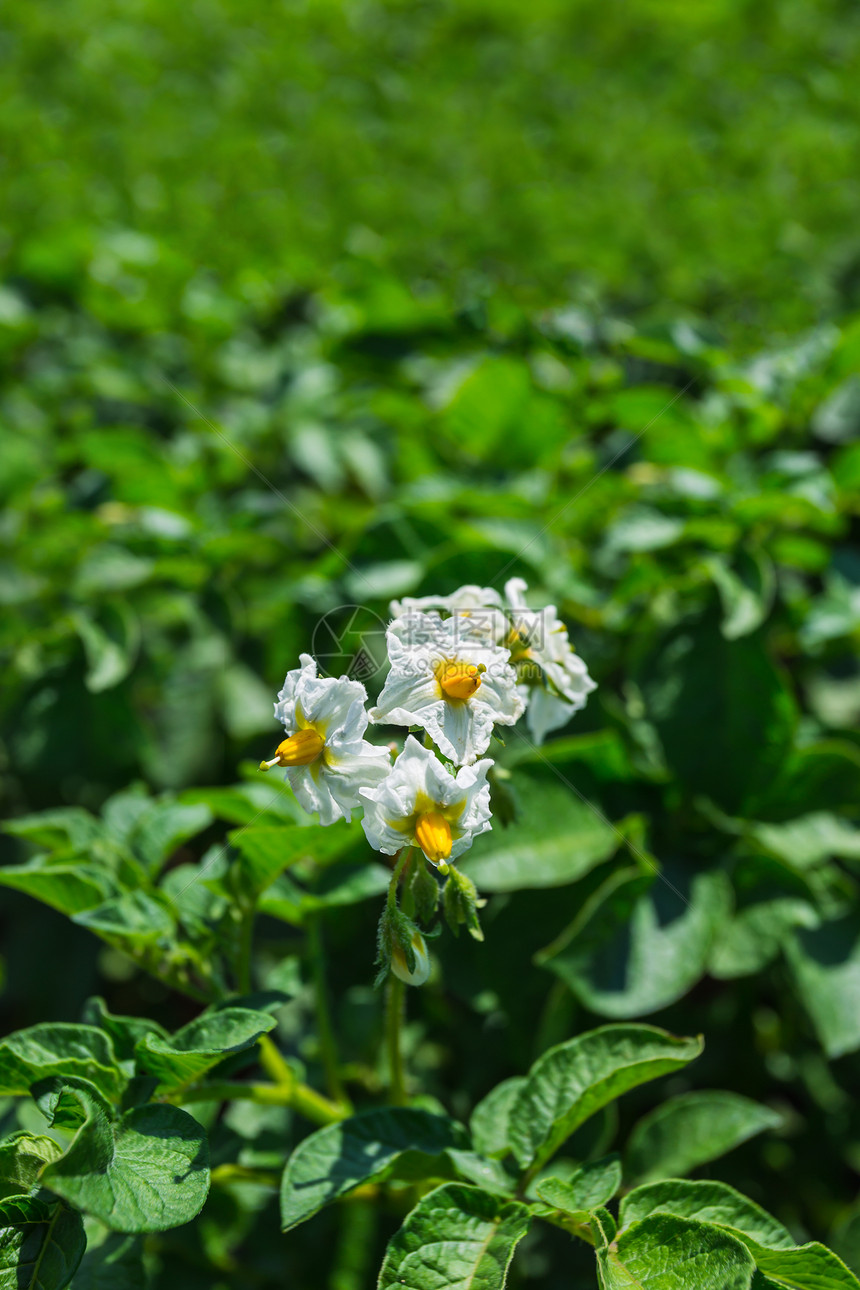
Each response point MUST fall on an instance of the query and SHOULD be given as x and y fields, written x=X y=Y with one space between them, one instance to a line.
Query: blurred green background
x=306 y=305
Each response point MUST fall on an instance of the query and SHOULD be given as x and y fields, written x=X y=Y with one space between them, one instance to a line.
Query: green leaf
x=572 y=1081
x=58 y=1048
x=264 y=801
x=825 y=964
x=339 y=885
x=268 y=850
x=837 y=419
x=122 y=811
x=67 y=826
x=710 y=1202
x=22 y=1156
x=113 y=1261
x=134 y=918
x=71 y=888
x=109 y=648
x=555 y=839
x=588 y=1188
x=163 y=826
x=490 y=1122
x=124 y=1031
x=771 y=898
x=338 y=1158
x=746 y=592
x=723 y=713
x=471 y=1167
x=692 y=1129
x=146 y=1172
x=41 y=1243
x=455 y=1238
x=184 y=1057
x=809 y=839
x=246 y=703
x=668 y=1253
x=807 y=1267
x=823 y=776
x=643 y=942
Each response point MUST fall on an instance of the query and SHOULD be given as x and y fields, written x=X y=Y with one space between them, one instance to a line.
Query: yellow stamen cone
x=433 y=835
x=299 y=750
x=459 y=680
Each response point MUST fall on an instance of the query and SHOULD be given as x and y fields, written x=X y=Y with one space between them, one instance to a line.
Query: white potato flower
x=325 y=755
x=446 y=677
x=462 y=600
x=421 y=803
x=549 y=670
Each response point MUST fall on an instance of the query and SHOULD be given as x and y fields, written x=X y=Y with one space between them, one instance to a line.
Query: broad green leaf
x=71 y=888
x=489 y=1124
x=109 y=648
x=723 y=713
x=825 y=964
x=41 y=1243
x=239 y=805
x=471 y=1167
x=822 y=776
x=113 y=1261
x=338 y=1158
x=664 y=1252
x=182 y=1058
x=746 y=591
x=809 y=839
x=691 y=1130
x=121 y=812
x=645 y=944
x=456 y=1238
x=588 y=1188
x=145 y=1172
x=770 y=899
x=246 y=703
x=22 y=1156
x=642 y=528
x=556 y=839
x=807 y=1267
x=67 y=826
x=837 y=419
x=572 y=1081
x=163 y=826
x=135 y=918
x=338 y=885
x=268 y=850
x=710 y=1202
x=124 y=1031
x=58 y=1048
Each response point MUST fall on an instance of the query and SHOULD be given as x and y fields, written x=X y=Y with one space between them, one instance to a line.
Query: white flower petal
x=312 y=792
x=418 y=777
x=470 y=596
x=545 y=713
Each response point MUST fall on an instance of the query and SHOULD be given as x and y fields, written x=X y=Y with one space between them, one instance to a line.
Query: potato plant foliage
x=429 y=621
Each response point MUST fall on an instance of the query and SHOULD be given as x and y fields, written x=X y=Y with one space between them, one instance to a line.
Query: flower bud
x=418 y=973
x=461 y=903
x=401 y=949
x=424 y=889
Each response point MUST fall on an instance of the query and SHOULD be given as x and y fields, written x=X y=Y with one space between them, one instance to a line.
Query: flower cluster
x=460 y=665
